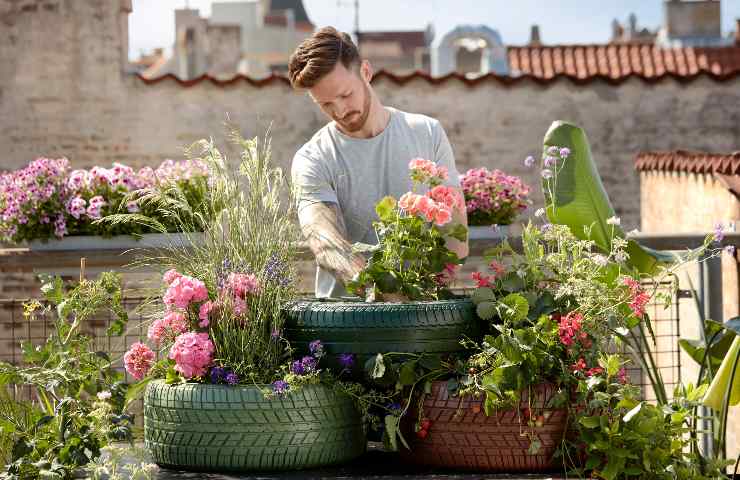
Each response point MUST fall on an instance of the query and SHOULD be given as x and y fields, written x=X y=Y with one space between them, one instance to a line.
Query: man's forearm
x=326 y=235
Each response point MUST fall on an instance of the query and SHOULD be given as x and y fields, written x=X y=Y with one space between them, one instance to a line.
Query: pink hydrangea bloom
x=204 y=313
x=138 y=360
x=170 y=276
x=168 y=327
x=184 y=290
x=242 y=284
x=192 y=353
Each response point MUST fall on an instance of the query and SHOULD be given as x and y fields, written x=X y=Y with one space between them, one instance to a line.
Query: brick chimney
x=534 y=36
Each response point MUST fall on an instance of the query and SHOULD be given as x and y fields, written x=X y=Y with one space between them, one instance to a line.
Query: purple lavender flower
x=280 y=387
x=217 y=374
x=276 y=270
x=564 y=152
x=546 y=173
x=529 y=161
x=550 y=161
x=298 y=368
x=316 y=348
x=719 y=232
x=232 y=378
x=309 y=364
x=347 y=360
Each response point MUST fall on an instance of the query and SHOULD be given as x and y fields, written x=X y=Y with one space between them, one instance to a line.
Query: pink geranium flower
x=166 y=328
x=204 y=313
x=185 y=290
x=192 y=353
x=138 y=360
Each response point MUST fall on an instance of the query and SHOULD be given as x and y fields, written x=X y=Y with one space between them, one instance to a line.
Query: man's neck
x=377 y=121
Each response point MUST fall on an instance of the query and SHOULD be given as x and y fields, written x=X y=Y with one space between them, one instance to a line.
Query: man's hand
x=323 y=227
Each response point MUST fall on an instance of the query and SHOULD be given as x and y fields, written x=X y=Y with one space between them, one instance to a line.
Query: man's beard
x=354 y=121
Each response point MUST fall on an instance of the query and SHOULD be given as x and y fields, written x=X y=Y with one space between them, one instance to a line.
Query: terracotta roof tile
x=581 y=64
x=619 y=61
x=692 y=162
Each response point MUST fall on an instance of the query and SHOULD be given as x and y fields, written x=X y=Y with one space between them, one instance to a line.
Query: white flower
x=621 y=256
x=104 y=395
x=613 y=221
x=600 y=260
x=633 y=232
x=539 y=213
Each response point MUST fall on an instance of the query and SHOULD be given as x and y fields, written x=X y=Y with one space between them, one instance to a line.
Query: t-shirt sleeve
x=311 y=181
x=443 y=155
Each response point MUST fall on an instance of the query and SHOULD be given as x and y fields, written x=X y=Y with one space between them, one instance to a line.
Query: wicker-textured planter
x=462 y=436
x=223 y=428
x=365 y=329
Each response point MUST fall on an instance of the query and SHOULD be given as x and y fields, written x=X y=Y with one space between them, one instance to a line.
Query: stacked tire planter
x=365 y=329
x=462 y=436
x=235 y=428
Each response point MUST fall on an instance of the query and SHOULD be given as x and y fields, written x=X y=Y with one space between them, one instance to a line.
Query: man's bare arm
x=323 y=227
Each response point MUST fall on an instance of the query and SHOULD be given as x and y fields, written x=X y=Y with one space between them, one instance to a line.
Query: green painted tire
x=365 y=329
x=223 y=428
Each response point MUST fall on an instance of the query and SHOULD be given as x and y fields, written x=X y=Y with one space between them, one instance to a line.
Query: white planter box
x=120 y=242
x=488 y=232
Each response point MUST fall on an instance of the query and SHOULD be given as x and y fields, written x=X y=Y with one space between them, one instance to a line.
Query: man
x=355 y=160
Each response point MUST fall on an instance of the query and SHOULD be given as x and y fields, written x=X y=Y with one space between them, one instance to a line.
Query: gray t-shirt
x=356 y=173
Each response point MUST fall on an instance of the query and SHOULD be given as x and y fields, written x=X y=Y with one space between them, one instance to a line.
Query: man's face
x=344 y=96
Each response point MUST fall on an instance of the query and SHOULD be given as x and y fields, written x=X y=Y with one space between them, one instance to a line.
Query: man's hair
x=318 y=55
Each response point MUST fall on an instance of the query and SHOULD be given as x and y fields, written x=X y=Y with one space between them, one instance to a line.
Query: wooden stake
x=82 y=269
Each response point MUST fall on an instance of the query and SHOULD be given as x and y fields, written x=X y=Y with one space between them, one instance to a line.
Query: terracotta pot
x=461 y=436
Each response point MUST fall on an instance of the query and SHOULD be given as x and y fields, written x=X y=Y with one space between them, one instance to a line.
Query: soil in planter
x=223 y=428
x=365 y=329
x=461 y=436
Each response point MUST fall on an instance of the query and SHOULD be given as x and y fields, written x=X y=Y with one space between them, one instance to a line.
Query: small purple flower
x=298 y=368
x=719 y=232
x=316 y=348
x=546 y=227
x=550 y=161
x=553 y=150
x=347 y=360
x=232 y=378
x=309 y=364
x=529 y=161
x=546 y=173
x=564 y=152
x=280 y=387
x=393 y=406
x=275 y=335
x=730 y=249
x=217 y=374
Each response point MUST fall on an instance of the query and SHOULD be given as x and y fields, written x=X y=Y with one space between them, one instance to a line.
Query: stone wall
x=676 y=202
x=63 y=92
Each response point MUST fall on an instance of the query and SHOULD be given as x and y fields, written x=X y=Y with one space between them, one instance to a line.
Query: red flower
x=579 y=366
x=594 y=371
x=481 y=279
x=623 y=378
x=638 y=298
x=570 y=327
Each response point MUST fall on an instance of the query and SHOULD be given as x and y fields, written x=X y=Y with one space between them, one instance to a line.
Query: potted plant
x=493 y=200
x=47 y=206
x=410 y=260
x=227 y=394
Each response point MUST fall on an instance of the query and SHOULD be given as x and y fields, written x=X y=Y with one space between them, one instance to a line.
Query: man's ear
x=366 y=71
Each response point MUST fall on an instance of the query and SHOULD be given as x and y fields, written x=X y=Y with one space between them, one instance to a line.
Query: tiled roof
x=692 y=162
x=580 y=64
x=618 y=61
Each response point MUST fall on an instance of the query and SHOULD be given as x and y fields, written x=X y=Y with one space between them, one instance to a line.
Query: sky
x=561 y=21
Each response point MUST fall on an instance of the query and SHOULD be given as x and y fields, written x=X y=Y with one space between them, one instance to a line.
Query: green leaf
x=407 y=374
x=171 y=376
x=613 y=468
x=486 y=310
x=135 y=391
x=629 y=415
x=52 y=288
x=391 y=431
x=513 y=307
x=379 y=367
x=512 y=282
x=483 y=294
x=431 y=362
x=577 y=198
x=386 y=209
x=590 y=422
